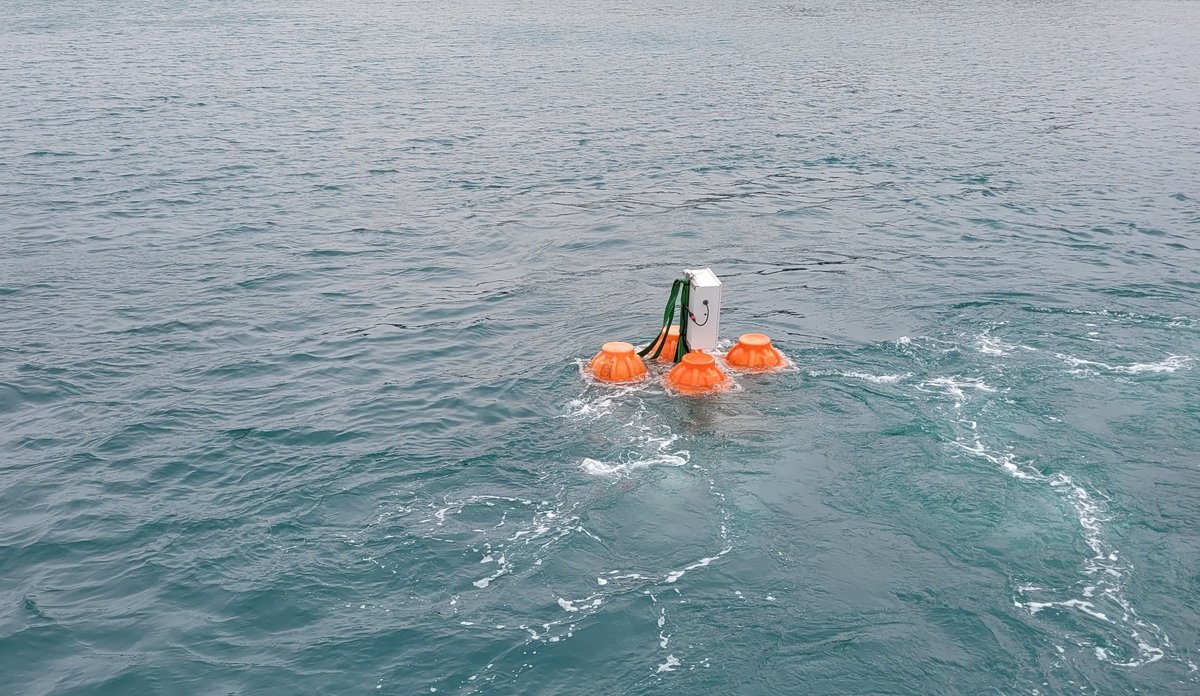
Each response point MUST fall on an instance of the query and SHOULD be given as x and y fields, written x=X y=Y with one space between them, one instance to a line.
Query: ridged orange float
x=754 y=352
x=616 y=362
x=698 y=372
x=669 y=344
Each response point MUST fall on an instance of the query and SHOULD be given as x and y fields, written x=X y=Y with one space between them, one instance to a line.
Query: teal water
x=294 y=299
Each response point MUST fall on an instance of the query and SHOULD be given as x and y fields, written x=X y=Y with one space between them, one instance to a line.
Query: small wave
x=595 y=467
x=650 y=443
x=1165 y=366
x=926 y=346
x=1171 y=321
x=956 y=387
x=877 y=379
x=598 y=405
x=674 y=575
x=866 y=377
x=990 y=345
x=1005 y=460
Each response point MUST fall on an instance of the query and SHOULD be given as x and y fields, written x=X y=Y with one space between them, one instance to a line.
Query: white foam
x=990 y=345
x=595 y=467
x=668 y=666
x=1005 y=460
x=674 y=575
x=1167 y=365
x=580 y=604
x=864 y=376
x=656 y=448
x=603 y=403
x=877 y=379
x=956 y=387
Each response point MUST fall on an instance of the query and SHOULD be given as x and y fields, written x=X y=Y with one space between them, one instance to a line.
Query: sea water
x=295 y=298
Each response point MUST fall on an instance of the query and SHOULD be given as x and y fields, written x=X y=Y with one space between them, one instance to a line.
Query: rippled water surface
x=294 y=299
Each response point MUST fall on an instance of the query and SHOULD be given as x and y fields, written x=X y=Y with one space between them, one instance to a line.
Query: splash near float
x=691 y=344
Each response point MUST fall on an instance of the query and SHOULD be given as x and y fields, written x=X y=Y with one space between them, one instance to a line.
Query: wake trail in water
x=510 y=540
x=649 y=442
x=1099 y=597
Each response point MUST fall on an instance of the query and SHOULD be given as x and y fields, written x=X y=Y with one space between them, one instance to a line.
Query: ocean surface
x=295 y=299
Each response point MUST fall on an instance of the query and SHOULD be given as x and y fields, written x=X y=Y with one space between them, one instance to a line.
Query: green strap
x=661 y=339
x=684 y=300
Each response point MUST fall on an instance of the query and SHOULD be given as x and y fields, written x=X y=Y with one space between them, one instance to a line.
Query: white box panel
x=704 y=309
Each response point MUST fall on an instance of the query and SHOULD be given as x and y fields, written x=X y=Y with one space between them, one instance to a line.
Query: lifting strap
x=681 y=290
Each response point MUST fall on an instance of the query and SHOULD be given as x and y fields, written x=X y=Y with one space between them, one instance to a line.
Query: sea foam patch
x=1167 y=365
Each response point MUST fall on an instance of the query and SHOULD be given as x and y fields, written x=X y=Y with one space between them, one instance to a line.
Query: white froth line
x=955 y=385
x=1167 y=365
x=1003 y=460
x=1086 y=607
x=578 y=604
x=596 y=467
x=676 y=574
x=878 y=379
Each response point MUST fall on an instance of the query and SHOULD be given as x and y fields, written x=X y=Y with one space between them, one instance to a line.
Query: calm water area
x=296 y=298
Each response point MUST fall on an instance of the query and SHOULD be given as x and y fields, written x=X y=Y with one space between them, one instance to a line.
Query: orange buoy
x=667 y=354
x=754 y=352
x=698 y=372
x=616 y=362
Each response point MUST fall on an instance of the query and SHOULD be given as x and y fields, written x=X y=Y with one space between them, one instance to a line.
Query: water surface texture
x=294 y=299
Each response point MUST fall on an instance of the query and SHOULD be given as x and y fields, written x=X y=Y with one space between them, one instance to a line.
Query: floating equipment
x=697 y=372
x=617 y=362
x=689 y=343
x=754 y=352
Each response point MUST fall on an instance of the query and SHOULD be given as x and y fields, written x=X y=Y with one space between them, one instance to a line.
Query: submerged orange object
x=667 y=354
x=698 y=372
x=616 y=362
x=754 y=352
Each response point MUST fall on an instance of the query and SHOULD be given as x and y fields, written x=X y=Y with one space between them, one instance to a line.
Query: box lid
x=702 y=277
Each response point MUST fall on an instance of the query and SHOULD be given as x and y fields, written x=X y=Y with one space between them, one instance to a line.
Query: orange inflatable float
x=670 y=343
x=754 y=352
x=617 y=362
x=697 y=372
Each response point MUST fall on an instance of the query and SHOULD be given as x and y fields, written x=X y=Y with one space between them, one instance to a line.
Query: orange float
x=617 y=362
x=754 y=352
x=698 y=372
x=667 y=354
